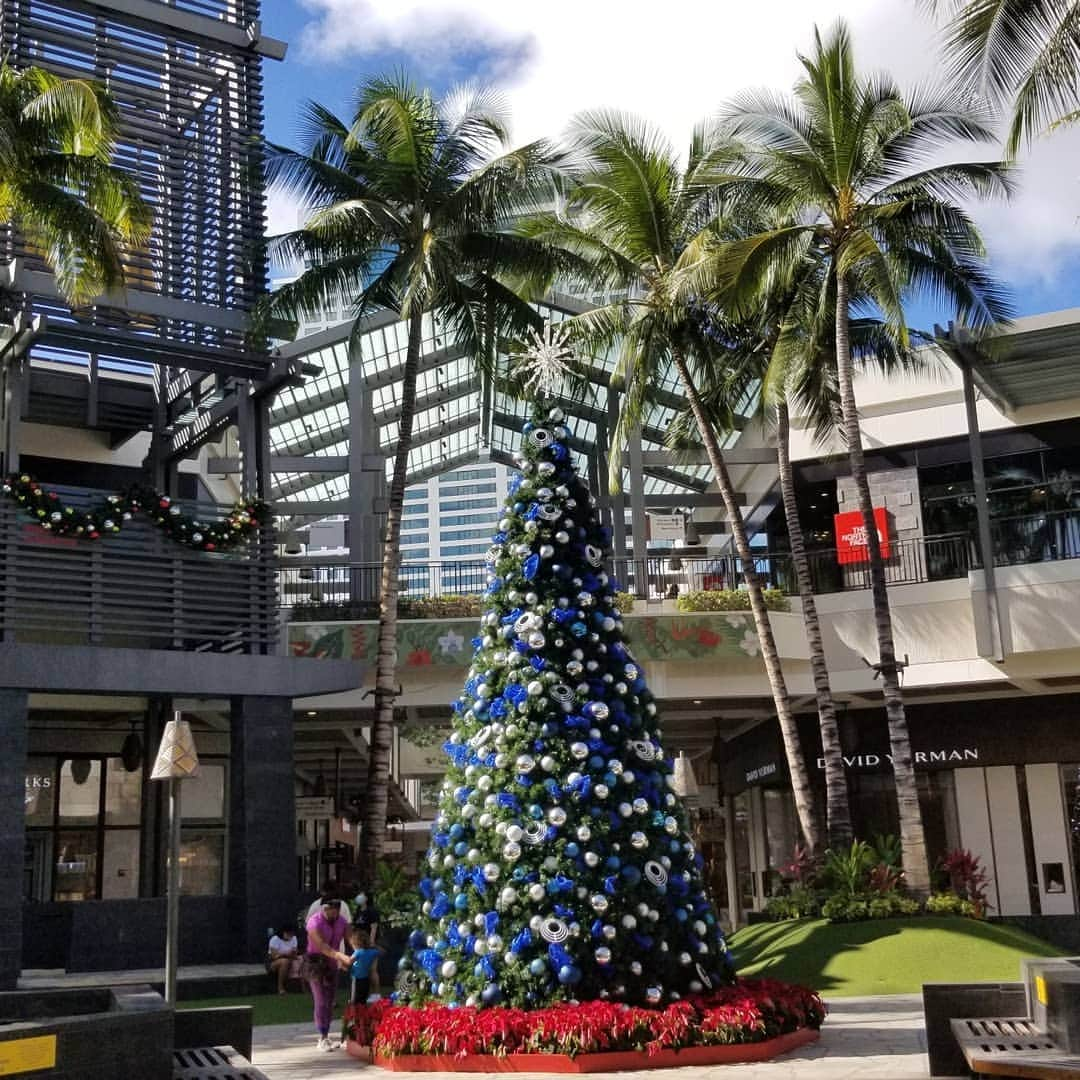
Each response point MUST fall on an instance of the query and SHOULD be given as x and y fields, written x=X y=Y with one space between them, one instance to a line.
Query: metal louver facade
x=187 y=79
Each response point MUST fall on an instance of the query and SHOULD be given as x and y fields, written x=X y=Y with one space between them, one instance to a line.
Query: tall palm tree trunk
x=800 y=780
x=912 y=836
x=373 y=838
x=837 y=806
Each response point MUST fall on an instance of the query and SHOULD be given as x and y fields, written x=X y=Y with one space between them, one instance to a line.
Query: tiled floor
x=878 y=1038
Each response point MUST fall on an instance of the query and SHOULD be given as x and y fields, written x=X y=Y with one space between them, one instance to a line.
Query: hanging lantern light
x=684 y=782
x=131 y=753
x=80 y=770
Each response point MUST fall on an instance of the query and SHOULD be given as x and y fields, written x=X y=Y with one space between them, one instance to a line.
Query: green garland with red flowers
x=109 y=515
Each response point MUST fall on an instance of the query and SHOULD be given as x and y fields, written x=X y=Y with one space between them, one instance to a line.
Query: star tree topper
x=546 y=361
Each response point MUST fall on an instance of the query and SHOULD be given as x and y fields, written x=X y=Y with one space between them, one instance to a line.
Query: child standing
x=364 y=973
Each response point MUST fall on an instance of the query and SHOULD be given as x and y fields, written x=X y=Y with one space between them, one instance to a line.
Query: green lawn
x=885 y=956
x=271 y=1008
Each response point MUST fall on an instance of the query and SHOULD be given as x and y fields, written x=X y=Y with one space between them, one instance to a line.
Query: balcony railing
x=352 y=589
x=134 y=589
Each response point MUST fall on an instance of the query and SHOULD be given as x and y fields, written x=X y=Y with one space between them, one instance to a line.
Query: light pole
x=176 y=760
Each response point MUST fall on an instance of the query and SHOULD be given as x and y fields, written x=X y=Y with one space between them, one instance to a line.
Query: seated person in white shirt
x=281 y=952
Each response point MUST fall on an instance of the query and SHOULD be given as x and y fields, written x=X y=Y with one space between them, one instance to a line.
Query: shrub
x=798 y=902
x=624 y=602
x=447 y=606
x=729 y=600
x=840 y=908
x=948 y=903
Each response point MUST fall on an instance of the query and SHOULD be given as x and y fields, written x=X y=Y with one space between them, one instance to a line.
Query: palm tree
x=781 y=353
x=1019 y=53
x=57 y=183
x=632 y=213
x=844 y=164
x=408 y=206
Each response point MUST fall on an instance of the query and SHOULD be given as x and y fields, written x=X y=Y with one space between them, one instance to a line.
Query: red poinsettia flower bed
x=750 y=1011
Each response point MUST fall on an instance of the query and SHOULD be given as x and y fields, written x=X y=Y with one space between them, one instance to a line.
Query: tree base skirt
x=618 y=1061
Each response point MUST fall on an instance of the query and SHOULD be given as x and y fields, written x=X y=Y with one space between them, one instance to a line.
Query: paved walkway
x=879 y=1038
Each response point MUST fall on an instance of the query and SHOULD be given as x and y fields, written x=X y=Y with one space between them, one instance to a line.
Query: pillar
x=367 y=486
x=262 y=821
x=12 y=832
x=731 y=865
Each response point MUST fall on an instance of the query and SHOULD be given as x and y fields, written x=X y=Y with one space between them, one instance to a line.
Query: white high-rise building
x=452 y=516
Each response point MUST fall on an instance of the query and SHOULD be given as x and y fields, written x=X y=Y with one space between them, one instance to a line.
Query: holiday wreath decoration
x=108 y=515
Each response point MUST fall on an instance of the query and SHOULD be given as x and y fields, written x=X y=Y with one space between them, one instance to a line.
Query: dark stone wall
x=12 y=832
x=112 y=1034
x=1060 y=930
x=115 y=935
x=262 y=821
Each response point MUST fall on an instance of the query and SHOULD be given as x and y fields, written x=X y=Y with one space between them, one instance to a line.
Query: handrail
x=346 y=587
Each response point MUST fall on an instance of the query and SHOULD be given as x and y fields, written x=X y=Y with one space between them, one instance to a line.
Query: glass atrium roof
x=456 y=421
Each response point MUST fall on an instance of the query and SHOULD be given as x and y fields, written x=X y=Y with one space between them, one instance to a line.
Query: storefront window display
x=84 y=831
x=202 y=835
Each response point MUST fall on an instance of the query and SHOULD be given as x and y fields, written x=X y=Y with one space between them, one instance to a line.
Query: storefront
x=1000 y=778
x=93 y=873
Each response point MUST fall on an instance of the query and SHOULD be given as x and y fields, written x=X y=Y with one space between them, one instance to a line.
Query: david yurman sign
x=956 y=756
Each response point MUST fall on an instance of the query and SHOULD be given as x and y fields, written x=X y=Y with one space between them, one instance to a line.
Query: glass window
x=80 y=791
x=781 y=826
x=40 y=790
x=76 y=865
x=203 y=796
x=202 y=862
x=120 y=865
x=123 y=794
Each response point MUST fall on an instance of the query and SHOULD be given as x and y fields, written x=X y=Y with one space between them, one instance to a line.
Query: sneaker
x=323 y=1044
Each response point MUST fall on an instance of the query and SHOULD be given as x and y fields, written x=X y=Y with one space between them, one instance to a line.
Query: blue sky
x=555 y=59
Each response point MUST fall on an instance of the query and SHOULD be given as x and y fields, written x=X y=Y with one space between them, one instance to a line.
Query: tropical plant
x=843 y=167
x=883 y=879
x=1023 y=54
x=409 y=202
x=888 y=850
x=395 y=897
x=58 y=183
x=802 y=867
x=634 y=212
x=967 y=878
x=845 y=869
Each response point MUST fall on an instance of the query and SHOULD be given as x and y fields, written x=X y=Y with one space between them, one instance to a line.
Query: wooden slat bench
x=213 y=1063
x=1013 y=1048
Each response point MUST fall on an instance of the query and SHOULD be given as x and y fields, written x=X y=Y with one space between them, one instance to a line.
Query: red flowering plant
x=748 y=1011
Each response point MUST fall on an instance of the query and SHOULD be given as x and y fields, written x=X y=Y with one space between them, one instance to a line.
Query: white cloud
x=676 y=63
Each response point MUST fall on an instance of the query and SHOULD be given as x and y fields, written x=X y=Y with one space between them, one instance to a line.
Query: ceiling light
x=312 y=712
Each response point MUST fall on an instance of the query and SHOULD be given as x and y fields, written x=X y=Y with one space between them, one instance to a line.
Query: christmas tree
x=561 y=867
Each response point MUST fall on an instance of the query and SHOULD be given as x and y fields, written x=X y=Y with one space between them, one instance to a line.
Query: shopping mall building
x=973 y=454
x=268 y=649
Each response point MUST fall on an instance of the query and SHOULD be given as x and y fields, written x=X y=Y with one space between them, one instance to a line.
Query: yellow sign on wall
x=27 y=1055
x=1040 y=990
